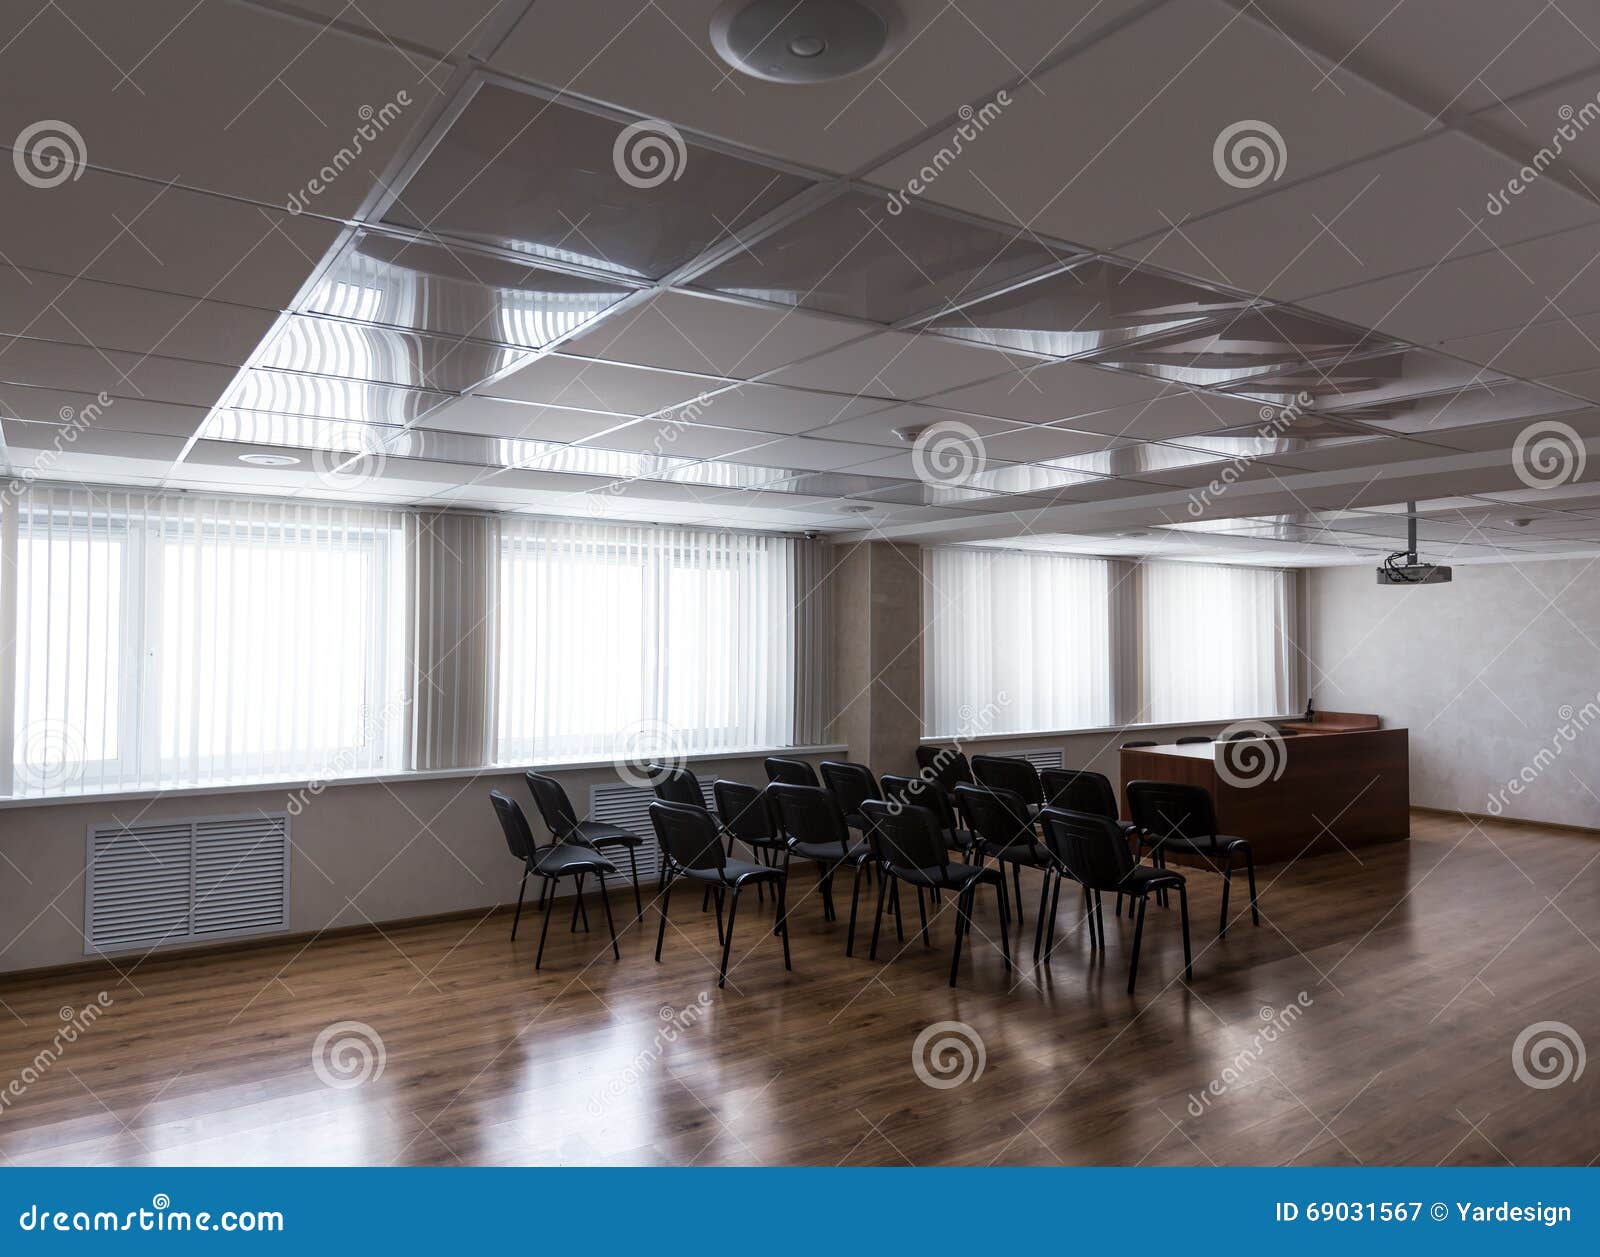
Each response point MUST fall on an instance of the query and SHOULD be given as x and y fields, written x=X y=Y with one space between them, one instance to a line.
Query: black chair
x=919 y=792
x=691 y=847
x=1242 y=734
x=1009 y=772
x=1002 y=826
x=1288 y=733
x=814 y=829
x=574 y=858
x=1174 y=817
x=944 y=765
x=746 y=816
x=1133 y=746
x=1193 y=740
x=555 y=809
x=1093 y=851
x=852 y=785
x=910 y=848
x=1078 y=790
x=673 y=784
x=793 y=772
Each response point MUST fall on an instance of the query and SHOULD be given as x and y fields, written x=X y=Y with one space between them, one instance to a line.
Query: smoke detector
x=269 y=460
x=803 y=41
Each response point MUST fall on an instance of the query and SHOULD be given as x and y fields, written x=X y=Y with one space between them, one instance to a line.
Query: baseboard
x=1485 y=818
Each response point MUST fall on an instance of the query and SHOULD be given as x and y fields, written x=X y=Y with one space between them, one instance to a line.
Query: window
x=167 y=641
x=633 y=642
x=1217 y=642
x=1015 y=642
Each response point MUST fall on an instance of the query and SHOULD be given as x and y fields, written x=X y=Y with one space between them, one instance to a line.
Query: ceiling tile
x=1056 y=391
x=905 y=365
x=600 y=386
x=652 y=436
x=363 y=351
x=328 y=397
x=488 y=416
x=121 y=414
x=1536 y=350
x=45 y=364
x=766 y=408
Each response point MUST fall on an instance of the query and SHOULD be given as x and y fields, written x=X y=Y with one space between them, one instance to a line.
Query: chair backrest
x=555 y=809
x=1133 y=746
x=1165 y=809
x=687 y=834
x=945 y=765
x=1193 y=740
x=810 y=814
x=1091 y=848
x=1009 y=772
x=905 y=837
x=851 y=784
x=1078 y=790
x=745 y=810
x=919 y=792
x=793 y=772
x=997 y=817
x=519 y=838
x=673 y=784
x=1242 y=734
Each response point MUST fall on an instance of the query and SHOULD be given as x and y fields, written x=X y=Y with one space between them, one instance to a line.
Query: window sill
x=1023 y=735
x=366 y=779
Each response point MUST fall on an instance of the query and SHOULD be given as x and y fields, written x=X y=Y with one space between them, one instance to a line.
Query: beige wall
x=877 y=652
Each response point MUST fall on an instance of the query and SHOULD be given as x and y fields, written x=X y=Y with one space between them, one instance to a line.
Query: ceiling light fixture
x=269 y=460
x=909 y=435
x=803 y=41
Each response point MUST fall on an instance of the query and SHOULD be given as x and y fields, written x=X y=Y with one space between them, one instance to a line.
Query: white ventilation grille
x=157 y=883
x=629 y=807
x=1042 y=759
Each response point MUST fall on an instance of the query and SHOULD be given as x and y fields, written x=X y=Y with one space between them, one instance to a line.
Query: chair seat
x=828 y=852
x=603 y=834
x=1143 y=878
x=1033 y=854
x=948 y=877
x=734 y=873
x=959 y=839
x=566 y=857
x=1219 y=844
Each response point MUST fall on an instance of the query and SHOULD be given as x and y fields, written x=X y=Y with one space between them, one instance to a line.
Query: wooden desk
x=1344 y=789
x=1332 y=722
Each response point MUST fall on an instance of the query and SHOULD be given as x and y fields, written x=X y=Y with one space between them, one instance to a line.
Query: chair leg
x=1088 y=918
x=1050 y=924
x=922 y=916
x=727 y=938
x=520 y=891
x=544 y=931
x=894 y=909
x=1100 y=919
x=877 y=917
x=605 y=899
x=1250 y=871
x=1138 y=936
x=855 y=899
x=1183 y=917
x=1016 y=885
x=1227 y=885
x=825 y=884
x=1044 y=911
x=577 y=907
x=961 y=923
x=716 y=898
x=666 y=898
x=544 y=889
x=1005 y=927
x=638 y=901
x=783 y=919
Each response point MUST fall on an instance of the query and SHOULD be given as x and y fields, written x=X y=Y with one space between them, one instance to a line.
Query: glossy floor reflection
x=1420 y=966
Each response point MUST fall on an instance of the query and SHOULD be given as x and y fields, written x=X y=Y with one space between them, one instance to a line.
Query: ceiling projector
x=1403 y=568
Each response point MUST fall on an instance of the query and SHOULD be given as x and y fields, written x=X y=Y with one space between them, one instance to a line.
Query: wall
x=363 y=853
x=877 y=652
x=1494 y=674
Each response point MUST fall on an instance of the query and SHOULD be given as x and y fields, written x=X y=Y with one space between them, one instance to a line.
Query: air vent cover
x=629 y=807
x=1042 y=759
x=802 y=41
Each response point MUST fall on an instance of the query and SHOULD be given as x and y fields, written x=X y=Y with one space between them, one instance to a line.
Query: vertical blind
x=637 y=641
x=167 y=641
x=1015 y=641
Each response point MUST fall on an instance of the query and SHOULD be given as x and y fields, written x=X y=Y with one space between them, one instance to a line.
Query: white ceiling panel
x=450 y=30
x=45 y=364
x=657 y=60
x=1556 y=119
x=809 y=454
x=901 y=365
x=1534 y=351
x=488 y=416
x=599 y=386
x=765 y=408
x=879 y=428
x=120 y=414
x=676 y=440
x=703 y=334
x=1048 y=392
x=218 y=96
x=1146 y=106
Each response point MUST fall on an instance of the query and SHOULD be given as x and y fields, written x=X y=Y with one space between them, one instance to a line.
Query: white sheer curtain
x=166 y=640
x=639 y=641
x=1015 y=642
x=1217 y=643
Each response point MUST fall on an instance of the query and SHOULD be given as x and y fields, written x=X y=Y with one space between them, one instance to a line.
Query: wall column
x=877 y=652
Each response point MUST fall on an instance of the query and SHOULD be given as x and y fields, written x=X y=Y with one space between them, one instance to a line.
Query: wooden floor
x=1414 y=968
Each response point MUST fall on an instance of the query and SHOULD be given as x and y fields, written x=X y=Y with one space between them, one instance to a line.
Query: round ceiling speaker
x=803 y=41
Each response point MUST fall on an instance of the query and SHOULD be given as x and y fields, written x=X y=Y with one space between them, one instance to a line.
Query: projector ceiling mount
x=1402 y=567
